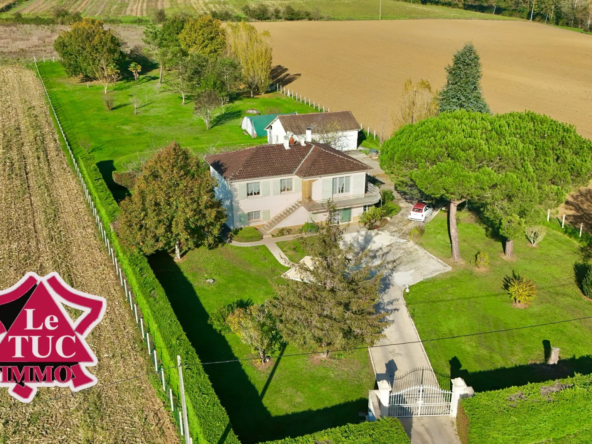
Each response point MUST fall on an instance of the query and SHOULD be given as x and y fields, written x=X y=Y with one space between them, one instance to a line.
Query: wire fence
x=371 y=134
x=177 y=408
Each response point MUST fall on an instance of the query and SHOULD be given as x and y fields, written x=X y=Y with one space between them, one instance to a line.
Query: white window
x=286 y=185
x=253 y=189
x=253 y=216
x=341 y=185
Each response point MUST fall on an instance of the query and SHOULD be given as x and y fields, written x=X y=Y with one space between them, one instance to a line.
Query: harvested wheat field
x=45 y=226
x=361 y=66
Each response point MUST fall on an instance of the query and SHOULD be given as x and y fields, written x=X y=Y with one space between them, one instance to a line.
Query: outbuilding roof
x=308 y=160
x=318 y=122
x=261 y=122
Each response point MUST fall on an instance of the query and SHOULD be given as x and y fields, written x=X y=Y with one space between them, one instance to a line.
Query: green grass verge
x=293 y=250
x=526 y=414
x=466 y=301
x=384 y=431
x=119 y=140
x=293 y=396
x=247 y=234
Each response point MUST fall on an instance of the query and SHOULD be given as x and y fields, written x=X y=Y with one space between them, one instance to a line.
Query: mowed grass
x=295 y=395
x=466 y=301
x=119 y=139
x=293 y=249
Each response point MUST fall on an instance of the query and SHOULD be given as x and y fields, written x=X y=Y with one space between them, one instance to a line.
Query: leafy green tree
x=256 y=327
x=173 y=205
x=515 y=164
x=205 y=103
x=185 y=74
x=89 y=50
x=254 y=54
x=463 y=88
x=203 y=35
x=334 y=304
x=135 y=68
x=163 y=42
x=511 y=227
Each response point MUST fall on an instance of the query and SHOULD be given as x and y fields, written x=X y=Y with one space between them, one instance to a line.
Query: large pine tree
x=463 y=89
x=334 y=308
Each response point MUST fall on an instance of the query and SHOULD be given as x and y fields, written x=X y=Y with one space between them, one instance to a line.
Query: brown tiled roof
x=336 y=121
x=309 y=160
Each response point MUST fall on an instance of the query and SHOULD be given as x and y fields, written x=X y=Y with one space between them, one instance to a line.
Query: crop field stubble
x=46 y=226
x=361 y=66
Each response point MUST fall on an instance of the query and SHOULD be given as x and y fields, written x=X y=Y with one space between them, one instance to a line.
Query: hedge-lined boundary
x=207 y=418
x=531 y=413
x=383 y=431
x=206 y=414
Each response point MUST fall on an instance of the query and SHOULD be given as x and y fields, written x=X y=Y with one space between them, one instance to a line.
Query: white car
x=420 y=212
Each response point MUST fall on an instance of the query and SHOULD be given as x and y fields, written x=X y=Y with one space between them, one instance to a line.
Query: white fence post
x=581 y=228
x=548 y=215
x=172 y=403
x=563 y=221
x=183 y=405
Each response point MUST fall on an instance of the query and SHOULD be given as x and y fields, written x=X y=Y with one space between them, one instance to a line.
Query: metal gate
x=420 y=393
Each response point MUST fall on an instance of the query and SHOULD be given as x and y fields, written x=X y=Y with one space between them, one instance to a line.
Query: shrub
x=521 y=290
x=283 y=232
x=246 y=234
x=126 y=179
x=108 y=102
x=159 y=16
x=416 y=233
x=371 y=218
x=387 y=196
x=535 y=234
x=390 y=209
x=309 y=227
x=218 y=319
x=482 y=260
x=587 y=283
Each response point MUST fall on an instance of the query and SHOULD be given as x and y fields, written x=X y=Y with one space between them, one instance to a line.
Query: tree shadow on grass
x=504 y=377
x=223 y=118
x=106 y=167
x=250 y=419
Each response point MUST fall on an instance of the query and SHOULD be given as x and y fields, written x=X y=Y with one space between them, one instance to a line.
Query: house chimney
x=287 y=142
x=308 y=135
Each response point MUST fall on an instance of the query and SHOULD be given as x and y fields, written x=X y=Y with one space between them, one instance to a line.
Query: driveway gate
x=420 y=393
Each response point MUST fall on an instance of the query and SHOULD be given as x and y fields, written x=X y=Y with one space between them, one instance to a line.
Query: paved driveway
x=407 y=264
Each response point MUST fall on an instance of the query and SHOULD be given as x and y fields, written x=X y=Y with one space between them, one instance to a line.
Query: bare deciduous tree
x=418 y=103
x=205 y=104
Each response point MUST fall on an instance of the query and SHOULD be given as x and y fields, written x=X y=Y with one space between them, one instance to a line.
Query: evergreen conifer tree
x=334 y=305
x=463 y=90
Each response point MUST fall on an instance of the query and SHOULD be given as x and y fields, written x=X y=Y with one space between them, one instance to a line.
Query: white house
x=338 y=129
x=288 y=184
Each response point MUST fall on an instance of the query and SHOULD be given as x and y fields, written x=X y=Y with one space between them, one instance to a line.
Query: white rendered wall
x=357 y=186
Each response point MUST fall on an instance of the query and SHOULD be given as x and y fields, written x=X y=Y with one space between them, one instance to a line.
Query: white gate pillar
x=384 y=393
x=459 y=390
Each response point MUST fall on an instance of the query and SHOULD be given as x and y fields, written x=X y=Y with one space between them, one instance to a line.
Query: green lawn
x=296 y=395
x=293 y=249
x=466 y=301
x=118 y=139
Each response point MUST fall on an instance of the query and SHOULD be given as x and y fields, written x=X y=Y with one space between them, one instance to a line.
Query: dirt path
x=46 y=226
x=361 y=66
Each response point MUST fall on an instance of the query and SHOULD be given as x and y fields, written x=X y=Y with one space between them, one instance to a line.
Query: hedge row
x=207 y=418
x=528 y=414
x=383 y=431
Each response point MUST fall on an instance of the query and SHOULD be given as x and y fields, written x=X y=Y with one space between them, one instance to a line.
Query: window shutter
x=265 y=188
x=242 y=191
x=265 y=215
x=358 y=184
x=327 y=189
x=276 y=187
x=242 y=219
x=347 y=181
x=297 y=183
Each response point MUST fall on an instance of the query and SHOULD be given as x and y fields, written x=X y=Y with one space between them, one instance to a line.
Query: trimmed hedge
x=531 y=413
x=383 y=431
x=208 y=420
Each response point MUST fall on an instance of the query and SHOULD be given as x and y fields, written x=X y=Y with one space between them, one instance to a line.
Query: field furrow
x=46 y=226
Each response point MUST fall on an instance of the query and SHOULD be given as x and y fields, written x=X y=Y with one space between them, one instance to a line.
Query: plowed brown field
x=45 y=226
x=361 y=66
